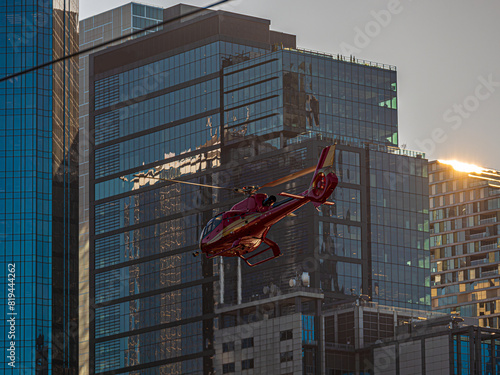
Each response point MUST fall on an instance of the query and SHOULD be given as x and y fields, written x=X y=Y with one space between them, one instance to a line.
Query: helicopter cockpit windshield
x=211 y=225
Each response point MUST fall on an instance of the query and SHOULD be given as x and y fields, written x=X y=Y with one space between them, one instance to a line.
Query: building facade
x=39 y=189
x=465 y=241
x=296 y=333
x=443 y=345
x=221 y=99
x=374 y=241
x=95 y=30
x=182 y=100
x=277 y=334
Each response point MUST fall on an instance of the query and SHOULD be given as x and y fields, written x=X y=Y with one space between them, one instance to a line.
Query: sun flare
x=463 y=167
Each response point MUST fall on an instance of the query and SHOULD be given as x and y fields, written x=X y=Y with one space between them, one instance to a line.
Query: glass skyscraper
x=38 y=188
x=374 y=241
x=219 y=98
x=95 y=30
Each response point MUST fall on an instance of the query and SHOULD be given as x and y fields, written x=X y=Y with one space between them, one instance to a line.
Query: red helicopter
x=241 y=230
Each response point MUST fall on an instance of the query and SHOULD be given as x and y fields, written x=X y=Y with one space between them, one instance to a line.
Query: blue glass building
x=38 y=188
x=221 y=99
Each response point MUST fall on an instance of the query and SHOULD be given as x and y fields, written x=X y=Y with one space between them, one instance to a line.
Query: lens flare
x=463 y=167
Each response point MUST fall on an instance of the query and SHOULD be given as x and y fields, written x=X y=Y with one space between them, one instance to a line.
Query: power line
x=89 y=49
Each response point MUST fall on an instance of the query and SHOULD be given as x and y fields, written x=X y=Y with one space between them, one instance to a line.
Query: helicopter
x=241 y=230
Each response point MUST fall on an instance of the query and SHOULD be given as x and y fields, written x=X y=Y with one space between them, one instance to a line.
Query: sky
x=447 y=55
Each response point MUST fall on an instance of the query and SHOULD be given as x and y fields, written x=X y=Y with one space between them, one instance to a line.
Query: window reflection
x=171 y=170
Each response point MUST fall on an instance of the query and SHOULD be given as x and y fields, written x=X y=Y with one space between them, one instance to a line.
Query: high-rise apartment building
x=219 y=98
x=465 y=241
x=39 y=188
x=93 y=31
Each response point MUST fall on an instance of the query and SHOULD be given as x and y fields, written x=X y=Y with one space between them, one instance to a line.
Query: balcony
x=490 y=220
x=479 y=261
x=494 y=192
x=489 y=273
x=309 y=342
x=492 y=246
x=336 y=346
x=478 y=236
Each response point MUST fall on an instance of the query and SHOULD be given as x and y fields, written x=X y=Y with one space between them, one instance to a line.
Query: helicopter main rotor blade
x=185 y=182
x=292 y=176
x=238 y=190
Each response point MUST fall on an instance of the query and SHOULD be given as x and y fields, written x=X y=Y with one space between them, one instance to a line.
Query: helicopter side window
x=212 y=224
x=216 y=221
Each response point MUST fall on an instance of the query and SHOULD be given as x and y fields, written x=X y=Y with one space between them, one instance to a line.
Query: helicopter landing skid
x=221 y=253
x=272 y=246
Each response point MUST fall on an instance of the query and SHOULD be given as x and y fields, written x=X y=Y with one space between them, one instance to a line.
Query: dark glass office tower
x=95 y=30
x=377 y=235
x=38 y=188
x=219 y=98
x=152 y=300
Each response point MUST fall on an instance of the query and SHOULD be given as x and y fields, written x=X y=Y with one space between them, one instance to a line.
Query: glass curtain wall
x=38 y=201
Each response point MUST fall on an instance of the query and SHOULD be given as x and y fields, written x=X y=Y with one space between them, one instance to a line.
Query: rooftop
x=339 y=57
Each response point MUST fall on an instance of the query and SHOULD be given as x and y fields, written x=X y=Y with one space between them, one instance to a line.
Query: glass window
x=286 y=356
x=228 y=368
x=247 y=343
x=286 y=335
x=247 y=364
x=228 y=347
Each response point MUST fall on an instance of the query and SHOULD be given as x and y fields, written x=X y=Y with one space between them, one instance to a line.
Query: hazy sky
x=447 y=55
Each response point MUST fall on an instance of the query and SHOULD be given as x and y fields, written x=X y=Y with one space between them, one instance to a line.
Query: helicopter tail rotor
x=324 y=180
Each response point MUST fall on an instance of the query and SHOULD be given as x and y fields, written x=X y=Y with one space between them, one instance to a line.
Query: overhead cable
x=104 y=44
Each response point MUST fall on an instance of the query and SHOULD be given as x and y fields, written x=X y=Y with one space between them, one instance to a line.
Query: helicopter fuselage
x=243 y=229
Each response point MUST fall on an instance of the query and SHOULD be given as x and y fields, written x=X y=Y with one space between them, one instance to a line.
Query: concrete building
x=352 y=331
x=465 y=241
x=297 y=333
x=220 y=98
x=444 y=345
x=276 y=335
x=39 y=188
